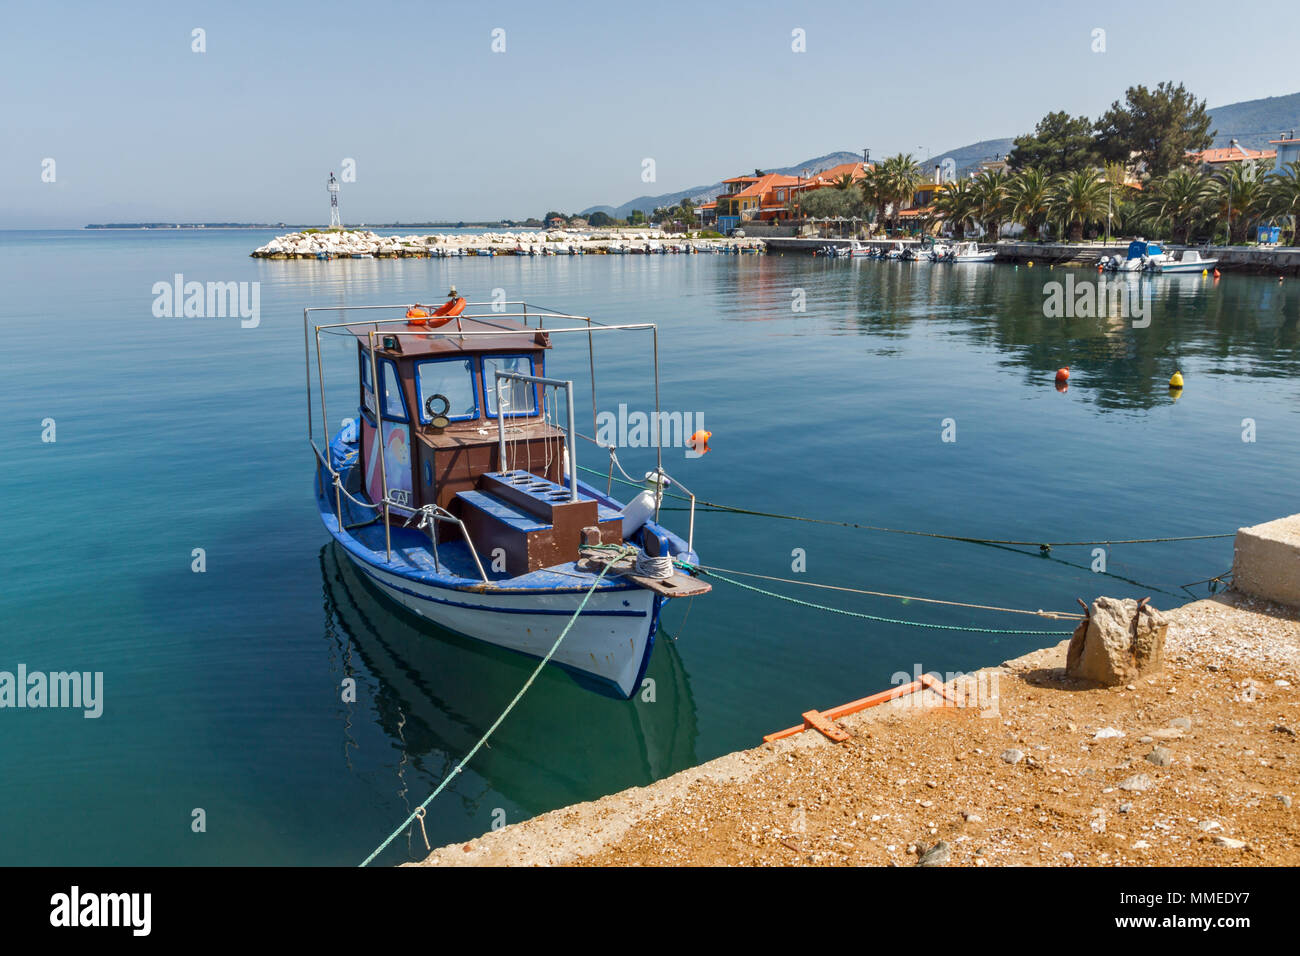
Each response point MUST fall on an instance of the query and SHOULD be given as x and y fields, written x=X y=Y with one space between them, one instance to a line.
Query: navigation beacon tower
x=333 y=187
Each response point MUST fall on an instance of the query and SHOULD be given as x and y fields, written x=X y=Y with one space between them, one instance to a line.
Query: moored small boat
x=1189 y=261
x=457 y=495
x=970 y=252
x=1141 y=255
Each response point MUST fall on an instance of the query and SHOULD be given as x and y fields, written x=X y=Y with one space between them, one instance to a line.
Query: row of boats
x=903 y=252
x=1142 y=256
x=1146 y=256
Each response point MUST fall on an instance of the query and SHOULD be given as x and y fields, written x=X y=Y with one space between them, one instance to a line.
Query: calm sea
x=222 y=689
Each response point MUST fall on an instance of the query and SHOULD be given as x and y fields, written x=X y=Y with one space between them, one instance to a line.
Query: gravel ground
x=1195 y=765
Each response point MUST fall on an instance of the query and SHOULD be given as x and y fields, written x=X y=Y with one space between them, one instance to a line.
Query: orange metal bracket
x=821 y=720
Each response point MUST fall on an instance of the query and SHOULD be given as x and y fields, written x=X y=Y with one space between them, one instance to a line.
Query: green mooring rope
x=872 y=617
x=496 y=723
x=1046 y=545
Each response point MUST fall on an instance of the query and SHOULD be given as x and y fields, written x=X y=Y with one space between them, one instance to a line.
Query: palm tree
x=901 y=175
x=954 y=203
x=844 y=181
x=1028 y=200
x=990 y=191
x=875 y=193
x=1241 y=197
x=1077 y=199
x=1284 y=197
x=1181 y=198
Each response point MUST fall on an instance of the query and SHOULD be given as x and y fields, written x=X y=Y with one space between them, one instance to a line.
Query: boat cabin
x=442 y=416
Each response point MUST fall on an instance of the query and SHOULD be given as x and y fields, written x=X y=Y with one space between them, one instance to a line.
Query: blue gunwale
x=546 y=581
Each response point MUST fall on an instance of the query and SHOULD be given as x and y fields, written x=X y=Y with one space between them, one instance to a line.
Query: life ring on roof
x=419 y=315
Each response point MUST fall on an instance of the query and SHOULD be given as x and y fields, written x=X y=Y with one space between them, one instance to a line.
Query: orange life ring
x=440 y=316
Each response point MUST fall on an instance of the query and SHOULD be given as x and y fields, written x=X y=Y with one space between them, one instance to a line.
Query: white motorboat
x=1189 y=261
x=970 y=252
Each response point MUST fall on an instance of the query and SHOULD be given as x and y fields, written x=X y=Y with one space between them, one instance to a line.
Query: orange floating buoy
x=420 y=315
x=1062 y=375
x=699 y=442
x=1216 y=273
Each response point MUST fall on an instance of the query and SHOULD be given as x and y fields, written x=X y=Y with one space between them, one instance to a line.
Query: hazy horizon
x=142 y=128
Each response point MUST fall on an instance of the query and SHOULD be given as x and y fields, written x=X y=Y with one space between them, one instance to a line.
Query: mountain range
x=1252 y=123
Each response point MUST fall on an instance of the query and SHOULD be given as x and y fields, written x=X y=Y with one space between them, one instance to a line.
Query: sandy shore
x=1196 y=765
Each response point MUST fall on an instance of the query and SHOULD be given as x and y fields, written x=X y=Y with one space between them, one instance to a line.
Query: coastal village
x=1232 y=199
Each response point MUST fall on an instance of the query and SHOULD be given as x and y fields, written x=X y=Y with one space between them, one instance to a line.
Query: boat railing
x=659 y=485
x=429 y=515
x=552 y=383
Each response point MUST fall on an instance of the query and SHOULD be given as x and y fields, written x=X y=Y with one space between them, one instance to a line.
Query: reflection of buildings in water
x=436 y=693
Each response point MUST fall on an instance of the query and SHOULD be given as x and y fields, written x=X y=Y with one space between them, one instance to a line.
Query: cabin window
x=520 y=397
x=367 y=389
x=453 y=379
x=394 y=400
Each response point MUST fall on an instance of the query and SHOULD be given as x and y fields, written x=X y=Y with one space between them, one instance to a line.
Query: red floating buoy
x=1062 y=375
x=1216 y=273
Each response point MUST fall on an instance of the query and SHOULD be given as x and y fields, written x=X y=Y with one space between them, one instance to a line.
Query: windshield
x=453 y=380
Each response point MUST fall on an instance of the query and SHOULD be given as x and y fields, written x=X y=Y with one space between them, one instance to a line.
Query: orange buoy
x=699 y=442
x=1216 y=273
x=421 y=316
x=1062 y=375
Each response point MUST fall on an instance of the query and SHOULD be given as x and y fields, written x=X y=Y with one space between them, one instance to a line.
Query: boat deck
x=413 y=557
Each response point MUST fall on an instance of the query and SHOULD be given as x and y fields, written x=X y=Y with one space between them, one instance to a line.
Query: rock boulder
x=1118 y=642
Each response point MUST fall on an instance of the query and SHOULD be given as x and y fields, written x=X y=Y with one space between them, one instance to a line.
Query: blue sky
x=142 y=128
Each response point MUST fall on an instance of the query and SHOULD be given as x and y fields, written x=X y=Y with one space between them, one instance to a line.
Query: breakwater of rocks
x=361 y=244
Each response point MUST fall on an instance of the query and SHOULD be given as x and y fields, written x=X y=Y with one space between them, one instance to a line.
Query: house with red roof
x=767 y=198
x=1234 y=152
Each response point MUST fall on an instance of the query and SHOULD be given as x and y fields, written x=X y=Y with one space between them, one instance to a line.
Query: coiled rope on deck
x=418 y=813
x=716 y=506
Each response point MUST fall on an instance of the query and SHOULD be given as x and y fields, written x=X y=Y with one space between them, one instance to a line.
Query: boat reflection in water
x=435 y=694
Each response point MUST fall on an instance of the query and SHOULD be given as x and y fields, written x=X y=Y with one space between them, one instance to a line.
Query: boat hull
x=1202 y=265
x=608 y=647
x=609 y=644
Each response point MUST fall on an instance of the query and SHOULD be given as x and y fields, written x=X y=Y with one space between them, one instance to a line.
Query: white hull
x=1202 y=265
x=978 y=257
x=607 y=642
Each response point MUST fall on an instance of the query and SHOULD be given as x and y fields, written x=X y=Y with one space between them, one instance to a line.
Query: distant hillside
x=1252 y=123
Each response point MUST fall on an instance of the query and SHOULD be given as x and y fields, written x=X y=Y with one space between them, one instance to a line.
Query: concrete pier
x=1266 y=561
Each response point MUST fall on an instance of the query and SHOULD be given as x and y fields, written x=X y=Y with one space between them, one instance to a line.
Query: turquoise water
x=222 y=689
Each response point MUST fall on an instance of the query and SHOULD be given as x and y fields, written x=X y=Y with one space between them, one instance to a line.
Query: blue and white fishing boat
x=1142 y=256
x=455 y=493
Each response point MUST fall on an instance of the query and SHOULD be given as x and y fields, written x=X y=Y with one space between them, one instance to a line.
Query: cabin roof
x=446 y=341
